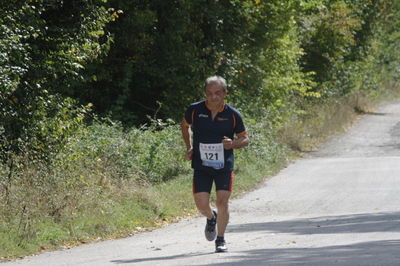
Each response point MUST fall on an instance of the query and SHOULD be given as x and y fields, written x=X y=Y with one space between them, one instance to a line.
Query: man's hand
x=238 y=143
x=189 y=154
x=228 y=143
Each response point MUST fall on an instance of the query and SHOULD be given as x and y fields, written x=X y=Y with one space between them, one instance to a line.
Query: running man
x=213 y=124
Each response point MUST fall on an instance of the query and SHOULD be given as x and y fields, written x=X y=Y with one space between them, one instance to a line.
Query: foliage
x=101 y=167
x=331 y=38
x=283 y=52
x=163 y=50
x=43 y=47
x=150 y=154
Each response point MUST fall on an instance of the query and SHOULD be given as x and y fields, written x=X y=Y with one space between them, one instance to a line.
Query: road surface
x=339 y=205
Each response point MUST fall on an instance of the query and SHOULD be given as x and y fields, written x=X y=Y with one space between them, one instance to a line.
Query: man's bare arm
x=240 y=142
x=186 y=135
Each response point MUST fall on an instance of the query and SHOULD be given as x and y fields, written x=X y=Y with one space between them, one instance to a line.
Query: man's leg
x=202 y=184
x=223 y=210
x=202 y=200
x=224 y=187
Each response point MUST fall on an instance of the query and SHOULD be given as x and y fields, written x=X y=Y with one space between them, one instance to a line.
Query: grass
x=118 y=209
x=93 y=204
x=306 y=131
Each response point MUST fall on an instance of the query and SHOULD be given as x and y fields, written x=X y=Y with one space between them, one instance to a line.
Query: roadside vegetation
x=92 y=93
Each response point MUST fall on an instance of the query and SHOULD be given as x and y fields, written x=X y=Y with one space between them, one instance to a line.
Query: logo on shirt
x=222 y=119
x=203 y=115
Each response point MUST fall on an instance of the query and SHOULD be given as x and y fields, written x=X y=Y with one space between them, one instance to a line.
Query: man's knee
x=222 y=204
x=222 y=201
x=202 y=201
x=203 y=207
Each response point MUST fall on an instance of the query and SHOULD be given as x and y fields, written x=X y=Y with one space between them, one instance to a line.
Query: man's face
x=215 y=94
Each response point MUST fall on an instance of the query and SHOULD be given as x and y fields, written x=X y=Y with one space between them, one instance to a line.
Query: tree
x=43 y=47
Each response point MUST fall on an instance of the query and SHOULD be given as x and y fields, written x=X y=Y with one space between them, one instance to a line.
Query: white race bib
x=212 y=155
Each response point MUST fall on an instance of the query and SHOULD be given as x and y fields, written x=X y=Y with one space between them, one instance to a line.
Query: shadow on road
x=165 y=258
x=355 y=223
x=374 y=113
x=382 y=252
x=367 y=253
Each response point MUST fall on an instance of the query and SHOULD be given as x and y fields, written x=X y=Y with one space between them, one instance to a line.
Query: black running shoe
x=210 y=231
x=220 y=246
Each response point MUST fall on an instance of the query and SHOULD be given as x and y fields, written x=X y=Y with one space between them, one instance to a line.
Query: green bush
x=44 y=48
x=150 y=153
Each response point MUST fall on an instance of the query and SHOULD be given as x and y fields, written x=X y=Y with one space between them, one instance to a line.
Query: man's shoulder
x=231 y=109
x=197 y=105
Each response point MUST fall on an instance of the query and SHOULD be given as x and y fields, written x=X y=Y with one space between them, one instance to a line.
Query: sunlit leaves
x=44 y=46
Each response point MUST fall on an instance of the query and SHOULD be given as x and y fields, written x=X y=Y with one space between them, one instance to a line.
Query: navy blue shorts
x=204 y=179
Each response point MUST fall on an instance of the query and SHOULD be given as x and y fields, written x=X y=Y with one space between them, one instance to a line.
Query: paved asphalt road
x=339 y=205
